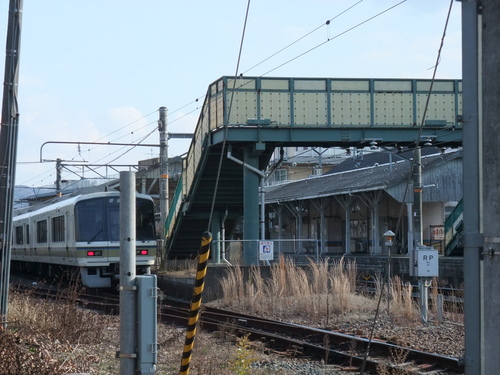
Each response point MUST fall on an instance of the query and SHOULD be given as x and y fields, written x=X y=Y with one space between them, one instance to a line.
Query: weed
x=244 y=357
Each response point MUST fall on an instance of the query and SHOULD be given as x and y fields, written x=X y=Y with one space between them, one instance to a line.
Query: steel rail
x=340 y=348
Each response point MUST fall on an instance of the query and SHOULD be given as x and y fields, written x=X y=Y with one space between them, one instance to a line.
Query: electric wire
x=125 y=126
x=276 y=53
x=221 y=158
x=302 y=37
x=275 y=68
x=334 y=37
x=132 y=145
x=410 y=173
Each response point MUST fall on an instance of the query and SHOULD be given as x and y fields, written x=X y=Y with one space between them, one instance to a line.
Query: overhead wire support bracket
x=95 y=143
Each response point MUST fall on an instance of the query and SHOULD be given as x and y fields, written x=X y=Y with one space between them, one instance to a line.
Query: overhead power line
x=302 y=37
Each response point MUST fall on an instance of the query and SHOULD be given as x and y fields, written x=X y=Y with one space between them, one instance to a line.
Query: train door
x=112 y=209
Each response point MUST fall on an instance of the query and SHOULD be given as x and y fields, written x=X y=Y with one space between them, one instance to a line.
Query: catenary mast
x=8 y=146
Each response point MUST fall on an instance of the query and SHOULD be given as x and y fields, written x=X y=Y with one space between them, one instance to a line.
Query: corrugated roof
x=375 y=177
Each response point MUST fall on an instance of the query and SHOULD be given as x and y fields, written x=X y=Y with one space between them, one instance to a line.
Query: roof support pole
x=321 y=204
x=278 y=210
x=372 y=199
x=346 y=202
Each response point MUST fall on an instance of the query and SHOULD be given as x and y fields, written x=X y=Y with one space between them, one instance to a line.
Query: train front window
x=99 y=220
x=113 y=222
x=145 y=219
x=90 y=220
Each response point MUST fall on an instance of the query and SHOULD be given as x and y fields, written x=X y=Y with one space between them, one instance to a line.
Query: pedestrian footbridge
x=244 y=119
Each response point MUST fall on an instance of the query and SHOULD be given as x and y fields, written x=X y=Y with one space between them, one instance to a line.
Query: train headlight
x=141 y=252
x=93 y=253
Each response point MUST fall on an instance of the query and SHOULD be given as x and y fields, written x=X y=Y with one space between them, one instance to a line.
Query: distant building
x=349 y=207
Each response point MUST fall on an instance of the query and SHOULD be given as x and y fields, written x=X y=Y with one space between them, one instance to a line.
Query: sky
x=98 y=70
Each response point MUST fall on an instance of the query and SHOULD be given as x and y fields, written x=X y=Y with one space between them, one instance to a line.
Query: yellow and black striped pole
x=194 y=311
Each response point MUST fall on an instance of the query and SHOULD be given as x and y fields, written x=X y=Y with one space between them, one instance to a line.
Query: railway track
x=284 y=338
x=332 y=347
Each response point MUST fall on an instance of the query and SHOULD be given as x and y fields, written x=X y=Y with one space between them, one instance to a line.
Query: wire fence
x=265 y=251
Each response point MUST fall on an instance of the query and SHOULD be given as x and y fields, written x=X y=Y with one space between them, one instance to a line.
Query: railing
x=174 y=208
x=351 y=103
x=453 y=227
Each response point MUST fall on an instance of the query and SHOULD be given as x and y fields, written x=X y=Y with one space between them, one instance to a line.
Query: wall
x=450 y=271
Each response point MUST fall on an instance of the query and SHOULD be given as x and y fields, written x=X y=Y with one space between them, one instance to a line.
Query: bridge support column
x=251 y=182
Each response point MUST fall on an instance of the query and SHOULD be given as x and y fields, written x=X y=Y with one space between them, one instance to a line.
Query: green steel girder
x=338 y=137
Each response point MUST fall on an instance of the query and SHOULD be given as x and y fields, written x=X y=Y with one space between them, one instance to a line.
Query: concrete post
x=490 y=28
x=163 y=183
x=417 y=197
x=471 y=27
x=58 y=177
x=128 y=334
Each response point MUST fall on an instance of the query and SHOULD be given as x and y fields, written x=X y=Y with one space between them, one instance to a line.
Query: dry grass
x=57 y=337
x=61 y=318
x=403 y=307
x=45 y=337
x=323 y=291
x=181 y=268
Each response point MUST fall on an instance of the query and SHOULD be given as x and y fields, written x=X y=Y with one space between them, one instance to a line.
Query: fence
x=300 y=251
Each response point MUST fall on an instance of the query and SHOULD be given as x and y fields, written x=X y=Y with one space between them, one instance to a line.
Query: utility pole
x=472 y=235
x=162 y=128
x=8 y=148
x=128 y=289
x=423 y=282
x=58 y=177
x=489 y=97
x=417 y=196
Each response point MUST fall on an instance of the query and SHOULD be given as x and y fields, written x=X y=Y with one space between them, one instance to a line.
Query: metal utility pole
x=128 y=289
x=489 y=94
x=423 y=282
x=417 y=196
x=162 y=128
x=58 y=177
x=8 y=147
x=472 y=236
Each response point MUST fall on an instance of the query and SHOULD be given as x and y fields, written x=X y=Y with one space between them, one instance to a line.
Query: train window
x=145 y=220
x=113 y=216
x=90 y=220
x=41 y=231
x=19 y=235
x=28 y=234
x=58 y=229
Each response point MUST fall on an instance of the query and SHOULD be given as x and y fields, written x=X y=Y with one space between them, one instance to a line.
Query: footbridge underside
x=252 y=116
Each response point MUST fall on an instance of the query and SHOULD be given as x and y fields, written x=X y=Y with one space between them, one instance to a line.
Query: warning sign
x=266 y=251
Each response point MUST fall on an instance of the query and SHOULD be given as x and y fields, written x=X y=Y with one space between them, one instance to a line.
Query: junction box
x=424 y=262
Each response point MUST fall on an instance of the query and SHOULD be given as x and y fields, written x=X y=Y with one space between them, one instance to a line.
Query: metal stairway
x=453 y=228
x=256 y=115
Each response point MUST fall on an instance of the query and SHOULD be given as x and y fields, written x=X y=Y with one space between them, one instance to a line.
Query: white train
x=82 y=232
